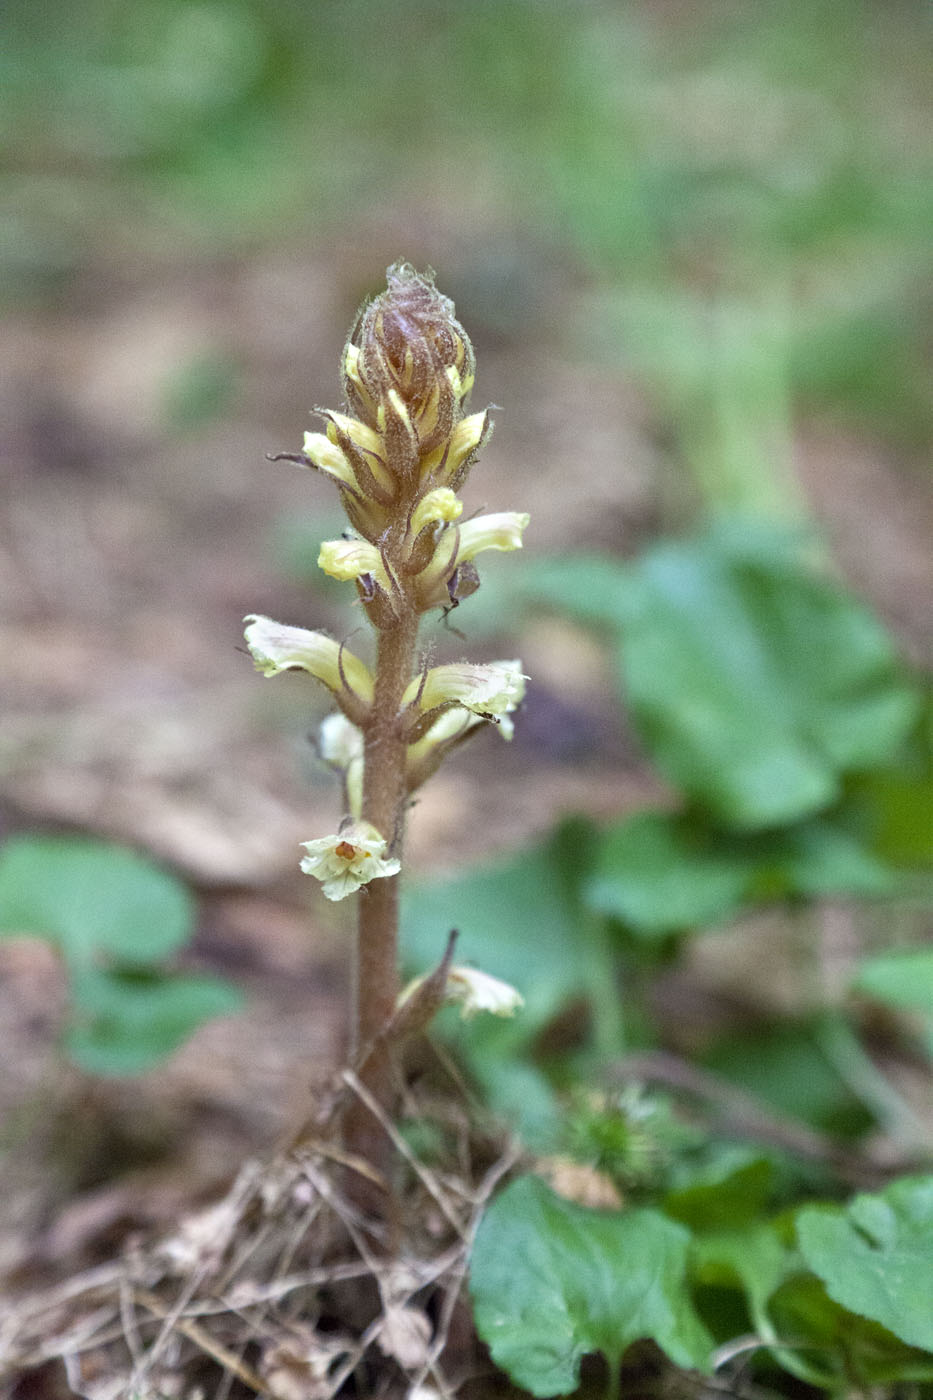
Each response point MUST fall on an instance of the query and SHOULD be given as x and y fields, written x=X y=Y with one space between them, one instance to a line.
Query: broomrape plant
x=398 y=456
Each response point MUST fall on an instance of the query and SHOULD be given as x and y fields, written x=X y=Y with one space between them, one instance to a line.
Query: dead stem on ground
x=280 y=1289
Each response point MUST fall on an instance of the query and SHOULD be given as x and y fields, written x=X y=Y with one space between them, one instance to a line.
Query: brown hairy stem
x=376 y=976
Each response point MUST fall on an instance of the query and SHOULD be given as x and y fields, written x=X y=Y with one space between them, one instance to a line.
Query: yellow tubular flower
x=276 y=647
x=366 y=439
x=459 y=544
x=465 y=438
x=328 y=458
x=340 y=744
x=349 y=559
x=351 y=365
x=502 y=531
x=491 y=690
x=440 y=505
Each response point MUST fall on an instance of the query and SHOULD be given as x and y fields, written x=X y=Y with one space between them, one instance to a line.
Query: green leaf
x=900 y=979
x=757 y=682
x=729 y=1193
x=92 y=898
x=516 y=1092
x=596 y=589
x=834 y=1348
x=897 y=806
x=662 y=874
x=659 y=875
x=875 y=1256
x=126 y=1021
x=552 y=1281
x=817 y=858
x=785 y=1065
x=754 y=1259
x=516 y=920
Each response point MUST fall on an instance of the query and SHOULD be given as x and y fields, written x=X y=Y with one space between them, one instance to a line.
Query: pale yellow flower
x=350 y=858
x=477 y=991
x=439 y=505
x=493 y=690
x=447 y=459
x=340 y=744
x=349 y=559
x=276 y=647
x=501 y=531
x=328 y=458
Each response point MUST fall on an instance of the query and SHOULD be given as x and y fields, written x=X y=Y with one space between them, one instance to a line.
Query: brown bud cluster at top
x=401 y=454
x=408 y=358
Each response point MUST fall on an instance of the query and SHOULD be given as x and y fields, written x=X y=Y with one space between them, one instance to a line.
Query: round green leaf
x=127 y=1021
x=92 y=898
x=875 y=1256
x=552 y=1281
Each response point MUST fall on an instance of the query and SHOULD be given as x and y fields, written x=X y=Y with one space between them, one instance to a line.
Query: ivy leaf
x=875 y=1256
x=552 y=1281
x=92 y=898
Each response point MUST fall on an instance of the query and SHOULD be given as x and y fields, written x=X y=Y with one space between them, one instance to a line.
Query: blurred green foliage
x=115 y=919
x=777 y=707
x=755 y=681
x=745 y=185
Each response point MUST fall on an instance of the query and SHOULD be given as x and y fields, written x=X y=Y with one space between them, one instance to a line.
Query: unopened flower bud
x=410 y=345
x=340 y=745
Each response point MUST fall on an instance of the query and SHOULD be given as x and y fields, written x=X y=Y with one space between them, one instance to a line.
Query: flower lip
x=501 y=531
x=490 y=690
x=479 y=991
x=276 y=647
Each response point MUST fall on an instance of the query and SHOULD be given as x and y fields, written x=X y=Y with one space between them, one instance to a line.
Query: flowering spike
x=399 y=451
